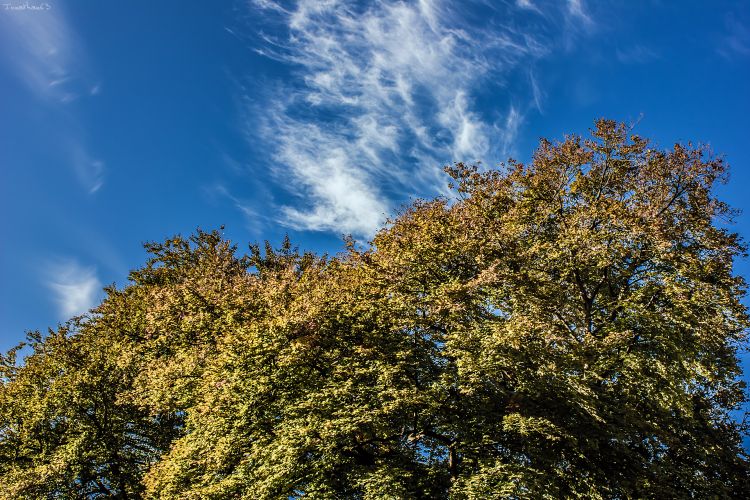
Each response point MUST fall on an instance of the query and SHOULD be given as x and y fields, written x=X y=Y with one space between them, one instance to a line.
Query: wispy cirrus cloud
x=637 y=54
x=527 y=4
x=536 y=92
x=75 y=288
x=88 y=169
x=254 y=219
x=736 y=40
x=42 y=51
x=381 y=96
x=577 y=10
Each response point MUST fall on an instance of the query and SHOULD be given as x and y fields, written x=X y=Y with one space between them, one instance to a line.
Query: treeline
x=567 y=328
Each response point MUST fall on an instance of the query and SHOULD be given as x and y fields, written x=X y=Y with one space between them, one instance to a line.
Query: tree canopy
x=564 y=328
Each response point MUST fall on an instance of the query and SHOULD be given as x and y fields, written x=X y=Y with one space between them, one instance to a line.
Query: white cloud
x=637 y=54
x=528 y=5
x=509 y=132
x=254 y=219
x=88 y=170
x=536 y=92
x=577 y=11
x=75 y=287
x=41 y=50
x=736 y=40
x=578 y=22
x=343 y=197
x=382 y=97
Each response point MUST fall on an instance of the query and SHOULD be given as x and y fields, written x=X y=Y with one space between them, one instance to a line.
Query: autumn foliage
x=566 y=328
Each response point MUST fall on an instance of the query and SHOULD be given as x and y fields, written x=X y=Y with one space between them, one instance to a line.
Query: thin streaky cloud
x=88 y=170
x=75 y=288
x=509 y=131
x=370 y=83
x=637 y=54
x=42 y=51
x=736 y=41
x=577 y=10
x=578 y=22
x=254 y=219
x=536 y=92
x=528 y=5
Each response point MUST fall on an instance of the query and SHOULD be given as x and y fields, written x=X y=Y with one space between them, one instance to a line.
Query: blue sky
x=124 y=122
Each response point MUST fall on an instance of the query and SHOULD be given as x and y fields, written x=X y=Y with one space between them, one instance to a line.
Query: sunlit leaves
x=566 y=328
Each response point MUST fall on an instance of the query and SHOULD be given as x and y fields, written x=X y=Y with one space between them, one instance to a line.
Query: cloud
x=324 y=169
x=509 y=132
x=578 y=22
x=380 y=98
x=527 y=4
x=42 y=51
x=75 y=287
x=88 y=170
x=536 y=92
x=254 y=219
x=577 y=11
x=637 y=54
x=736 y=41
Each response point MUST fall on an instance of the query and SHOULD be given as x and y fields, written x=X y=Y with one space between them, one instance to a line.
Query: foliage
x=566 y=328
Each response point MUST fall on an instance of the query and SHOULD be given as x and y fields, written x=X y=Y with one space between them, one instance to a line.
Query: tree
x=98 y=401
x=65 y=431
x=566 y=328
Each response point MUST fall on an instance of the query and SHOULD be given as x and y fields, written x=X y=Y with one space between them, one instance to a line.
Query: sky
x=127 y=122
